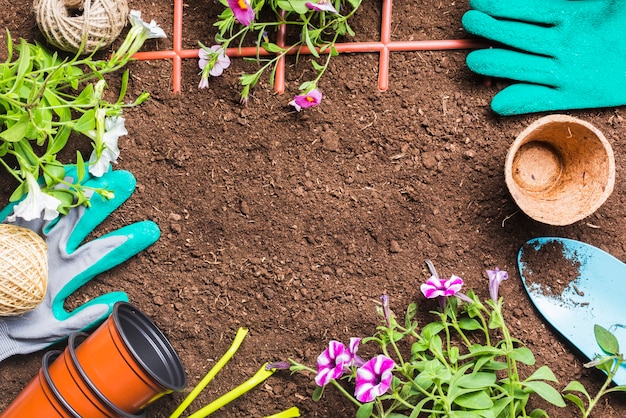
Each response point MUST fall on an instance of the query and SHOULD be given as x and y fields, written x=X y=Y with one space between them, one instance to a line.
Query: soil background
x=294 y=224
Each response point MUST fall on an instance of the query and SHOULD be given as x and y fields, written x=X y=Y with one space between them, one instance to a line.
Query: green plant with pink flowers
x=465 y=364
x=314 y=24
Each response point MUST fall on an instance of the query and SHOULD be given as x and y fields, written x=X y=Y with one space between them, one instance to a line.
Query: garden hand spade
x=595 y=296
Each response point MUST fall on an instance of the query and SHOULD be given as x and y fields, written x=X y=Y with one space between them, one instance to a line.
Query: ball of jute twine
x=81 y=25
x=23 y=270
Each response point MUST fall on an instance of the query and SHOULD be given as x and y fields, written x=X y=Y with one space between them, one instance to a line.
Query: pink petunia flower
x=321 y=6
x=333 y=361
x=304 y=101
x=374 y=378
x=435 y=287
x=242 y=10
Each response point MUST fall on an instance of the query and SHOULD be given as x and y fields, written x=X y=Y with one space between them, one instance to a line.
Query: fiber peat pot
x=560 y=170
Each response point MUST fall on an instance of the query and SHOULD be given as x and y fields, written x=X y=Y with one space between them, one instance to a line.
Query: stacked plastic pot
x=117 y=371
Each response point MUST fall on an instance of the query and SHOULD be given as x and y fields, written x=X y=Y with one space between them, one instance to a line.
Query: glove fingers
x=519 y=35
x=121 y=183
x=503 y=63
x=90 y=314
x=535 y=11
x=106 y=252
x=519 y=99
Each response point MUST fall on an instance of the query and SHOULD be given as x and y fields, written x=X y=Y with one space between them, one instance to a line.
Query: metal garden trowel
x=574 y=286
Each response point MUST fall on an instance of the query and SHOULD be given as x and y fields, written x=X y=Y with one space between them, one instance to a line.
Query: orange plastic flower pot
x=130 y=361
x=77 y=390
x=40 y=398
x=74 y=391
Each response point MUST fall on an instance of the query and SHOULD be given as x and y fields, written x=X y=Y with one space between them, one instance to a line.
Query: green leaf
x=310 y=45
x=317 y=393
x=538 y=413
x=271 y=47
x=480 y=350
x=20 y=191
x=17 y=131
x=24 y=64
x=576 y=386
x=523 y=355
x=543 y=373
x=297 y=6
x=575 y=400
x=59 y=141
x=317 y=66
x=546 y=391
x=432 y=328
x=606 y=340
x=469 y=324
x=80 y=168
x=87 y=121
x=474 y=400
x=63 y=112
x=53 y=173
x=65 y=196
x=307 y=86
x=365 y=410
x=478 y=380
x=85 y=96
x=249 y=79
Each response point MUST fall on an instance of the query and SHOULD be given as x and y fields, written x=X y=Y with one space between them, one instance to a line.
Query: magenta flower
x=242 y=10
x=442 y=289
x=304 y=101
x=332 y=363
x=321 y=6
x=435 y=287
x=495 y=278
x=374 y=378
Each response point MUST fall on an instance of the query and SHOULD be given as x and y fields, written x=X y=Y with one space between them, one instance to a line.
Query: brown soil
x=549 y=268
x=293 y=224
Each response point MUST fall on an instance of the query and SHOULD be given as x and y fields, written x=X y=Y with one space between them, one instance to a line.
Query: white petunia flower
x=114 y=128
x=151 y=30
x=34 y=203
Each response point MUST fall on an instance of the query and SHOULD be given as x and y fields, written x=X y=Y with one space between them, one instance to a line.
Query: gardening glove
x=71 y=265
x=567 y=54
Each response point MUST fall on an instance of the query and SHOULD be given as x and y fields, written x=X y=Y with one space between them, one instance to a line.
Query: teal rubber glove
x=566 y=54
x=71 y=265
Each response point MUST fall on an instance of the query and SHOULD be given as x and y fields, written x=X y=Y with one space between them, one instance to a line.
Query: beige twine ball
x=23 y=270
x=74 y=24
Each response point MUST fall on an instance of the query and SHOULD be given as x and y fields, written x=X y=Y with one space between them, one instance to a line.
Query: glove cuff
x=8 y=346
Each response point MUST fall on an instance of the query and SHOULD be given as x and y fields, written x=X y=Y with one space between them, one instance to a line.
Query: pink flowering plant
x=465 y=363
x=315 y=24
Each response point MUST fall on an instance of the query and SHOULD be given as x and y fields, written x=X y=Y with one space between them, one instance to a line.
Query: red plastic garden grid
x=383 y=47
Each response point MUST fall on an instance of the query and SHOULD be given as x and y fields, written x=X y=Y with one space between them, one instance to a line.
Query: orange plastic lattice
x=384 y=46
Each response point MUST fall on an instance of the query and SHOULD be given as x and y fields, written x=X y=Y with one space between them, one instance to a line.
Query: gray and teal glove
x=566 y=54
x=71 y=265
